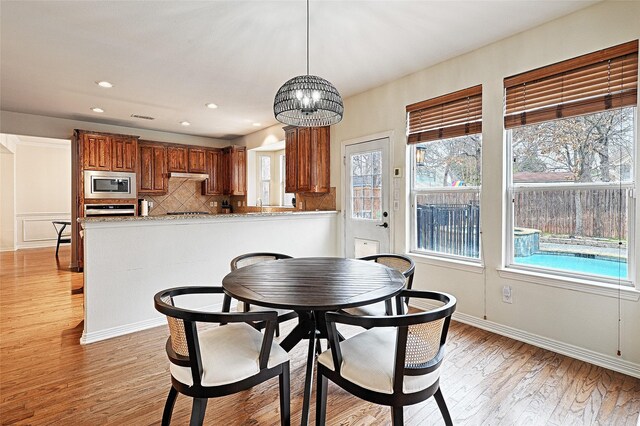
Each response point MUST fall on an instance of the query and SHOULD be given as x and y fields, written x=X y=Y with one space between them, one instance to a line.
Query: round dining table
x=311 y=287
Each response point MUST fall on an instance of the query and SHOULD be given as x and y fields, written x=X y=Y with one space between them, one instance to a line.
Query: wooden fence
x=604 y=212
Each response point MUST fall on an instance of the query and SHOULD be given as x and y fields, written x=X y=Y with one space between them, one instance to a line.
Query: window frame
x=632 y=206
x=261 y=181
x=414 y=193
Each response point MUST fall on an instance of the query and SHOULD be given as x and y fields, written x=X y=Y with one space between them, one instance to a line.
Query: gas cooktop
x=188 y=213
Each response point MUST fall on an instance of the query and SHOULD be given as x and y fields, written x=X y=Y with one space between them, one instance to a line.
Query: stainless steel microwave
x=100 y=185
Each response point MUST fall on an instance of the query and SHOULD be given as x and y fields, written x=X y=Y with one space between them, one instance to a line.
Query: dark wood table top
x=313 y=283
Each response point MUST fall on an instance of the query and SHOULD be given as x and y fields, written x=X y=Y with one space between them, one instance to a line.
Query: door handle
x=384 y=225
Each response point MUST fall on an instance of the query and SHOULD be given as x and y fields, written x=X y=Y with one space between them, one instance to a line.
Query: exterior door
x=367 y=178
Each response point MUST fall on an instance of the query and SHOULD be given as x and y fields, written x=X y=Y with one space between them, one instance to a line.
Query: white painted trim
x=44 y=214
x=120 y=331
x=97 y=336
x=592 y=357
x=447 y=262
x=45 y=143
x=23 y=219
x=388 y=134
x=584 y=286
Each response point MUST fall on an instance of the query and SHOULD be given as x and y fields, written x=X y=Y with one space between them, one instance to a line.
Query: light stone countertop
x=174 y=217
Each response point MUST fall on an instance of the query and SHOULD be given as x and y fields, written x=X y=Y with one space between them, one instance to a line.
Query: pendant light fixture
x=308 y=100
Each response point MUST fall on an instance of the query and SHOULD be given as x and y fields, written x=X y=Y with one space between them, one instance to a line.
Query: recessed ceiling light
x=104 y=83
x=257 y=124
x=96 y=109
x=185 y=123
x=211 y=105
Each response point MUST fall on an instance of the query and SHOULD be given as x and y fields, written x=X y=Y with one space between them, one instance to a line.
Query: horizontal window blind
x=452 y=115
x=587 y=84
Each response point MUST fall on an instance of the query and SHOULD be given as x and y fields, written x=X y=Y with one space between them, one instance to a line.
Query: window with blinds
x=571 y=130
x=590 y=83
x=448 y=116
x=445 y=137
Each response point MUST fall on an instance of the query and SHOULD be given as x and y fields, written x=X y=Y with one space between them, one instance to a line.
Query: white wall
x=570 y=321
x=42 y=189
x=127 y=262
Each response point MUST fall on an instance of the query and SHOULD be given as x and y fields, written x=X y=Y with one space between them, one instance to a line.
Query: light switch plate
x=396 y=205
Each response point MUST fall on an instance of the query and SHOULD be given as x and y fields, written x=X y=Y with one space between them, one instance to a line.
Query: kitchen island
x=129 y=259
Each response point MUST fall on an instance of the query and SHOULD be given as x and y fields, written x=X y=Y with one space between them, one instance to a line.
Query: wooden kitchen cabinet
x=235 y=170
x=96 y=151
x=177 y=159
x=197 y=161
x=124 y=150
x=215 y=168
x=307 y=159
x=152 y=175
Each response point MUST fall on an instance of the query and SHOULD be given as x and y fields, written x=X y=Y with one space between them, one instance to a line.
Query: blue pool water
x=608 y=268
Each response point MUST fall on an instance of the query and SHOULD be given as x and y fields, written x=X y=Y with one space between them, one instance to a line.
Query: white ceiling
x=168 y=58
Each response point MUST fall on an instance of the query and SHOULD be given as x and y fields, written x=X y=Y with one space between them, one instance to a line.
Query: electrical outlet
x=211 y=204
x=215 y=204
x=239 y=203
x=507 y=294
x=150 y=204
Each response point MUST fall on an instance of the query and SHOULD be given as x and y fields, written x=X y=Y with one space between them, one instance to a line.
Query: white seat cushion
x=256 y=308
x=368 y=360
x=229 y=354
x=374 y=309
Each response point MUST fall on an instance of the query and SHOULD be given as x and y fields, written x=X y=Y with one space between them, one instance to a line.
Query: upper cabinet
x=185 y=159
x=124 y=152
x=307 y=159
x=197 y=163
x=152 y=174
x=235 y=173
x=214 y=164
x=104 y=151
x=96 y=151
x=177 y=159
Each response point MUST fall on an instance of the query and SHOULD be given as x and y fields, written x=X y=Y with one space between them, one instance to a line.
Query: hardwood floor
x=47 y=377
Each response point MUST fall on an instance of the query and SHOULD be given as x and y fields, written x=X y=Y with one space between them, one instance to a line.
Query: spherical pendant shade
x=308 y=101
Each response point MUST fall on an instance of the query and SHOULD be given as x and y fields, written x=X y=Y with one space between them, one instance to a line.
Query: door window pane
x=366 y=185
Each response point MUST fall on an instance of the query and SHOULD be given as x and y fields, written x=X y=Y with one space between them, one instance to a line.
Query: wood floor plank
x=48 y=378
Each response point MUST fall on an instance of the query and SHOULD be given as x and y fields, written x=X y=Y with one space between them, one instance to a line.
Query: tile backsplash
x=183 y=195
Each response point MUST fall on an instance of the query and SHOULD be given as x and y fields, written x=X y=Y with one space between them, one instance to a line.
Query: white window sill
x=575 y=284
x=475 y=267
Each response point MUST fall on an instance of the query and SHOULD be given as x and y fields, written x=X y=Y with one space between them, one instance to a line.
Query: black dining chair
x=222 y=360
x=402 y=264
x=396 y=362
x=59 y=226
x=253 y=258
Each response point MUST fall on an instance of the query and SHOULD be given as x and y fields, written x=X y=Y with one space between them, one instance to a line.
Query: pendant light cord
x=307 y=37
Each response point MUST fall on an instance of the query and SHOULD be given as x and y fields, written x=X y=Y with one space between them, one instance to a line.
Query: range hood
x=189 y=176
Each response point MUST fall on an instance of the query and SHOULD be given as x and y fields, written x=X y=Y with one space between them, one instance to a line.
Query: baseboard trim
x=97 y=336
x=596 y=358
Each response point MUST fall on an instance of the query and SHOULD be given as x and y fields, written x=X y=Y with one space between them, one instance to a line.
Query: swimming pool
x=598 y=266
